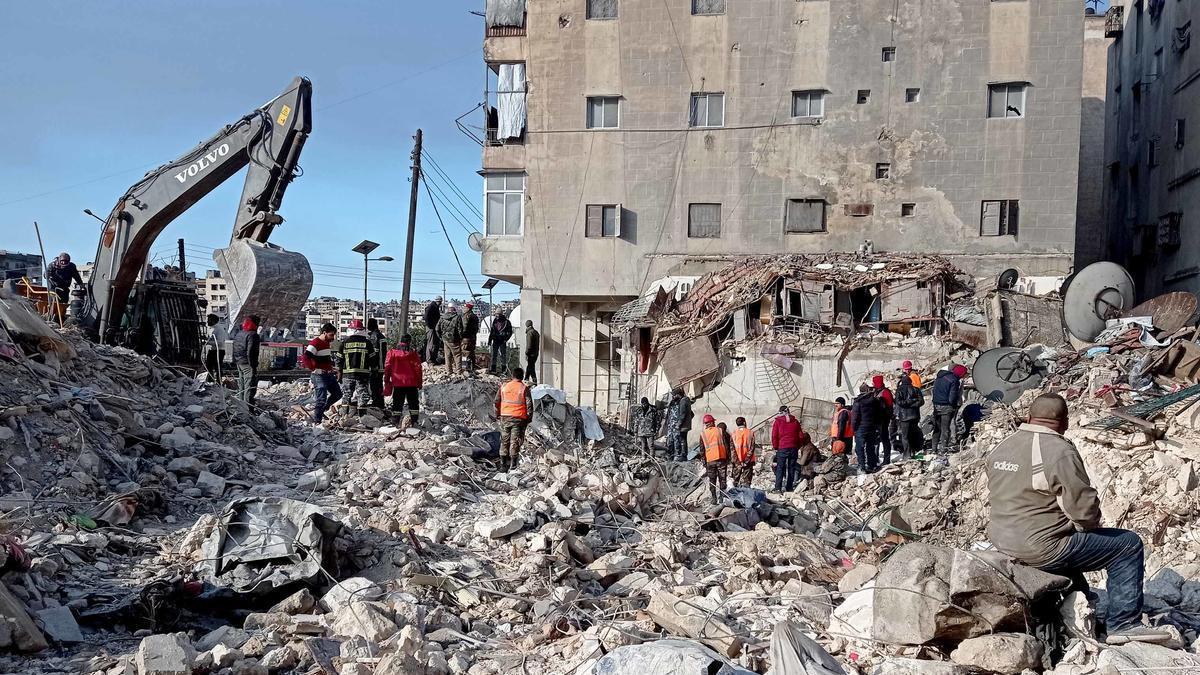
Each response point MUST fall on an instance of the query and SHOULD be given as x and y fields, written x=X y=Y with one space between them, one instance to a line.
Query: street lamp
x=365 y=248
x=89 y=212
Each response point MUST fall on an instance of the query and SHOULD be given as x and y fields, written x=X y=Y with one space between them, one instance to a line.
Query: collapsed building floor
x=155 y=525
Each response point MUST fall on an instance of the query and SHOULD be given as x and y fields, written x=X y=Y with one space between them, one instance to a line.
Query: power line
x=438 y=169
x=452 y=209
x=450 y=243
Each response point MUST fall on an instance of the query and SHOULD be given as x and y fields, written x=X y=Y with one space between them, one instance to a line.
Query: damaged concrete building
x=631 y=141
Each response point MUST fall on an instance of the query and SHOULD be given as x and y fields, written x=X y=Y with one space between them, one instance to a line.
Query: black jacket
x=500 y=332
x=245 y=347
x=533 y=343
x=867 y=410
x=909 y=400
x=61 y=276
x=433 y=314
x=470 y=324
x=947 y=389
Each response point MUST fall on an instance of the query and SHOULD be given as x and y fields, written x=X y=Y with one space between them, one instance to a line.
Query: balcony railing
x=504 y=31
x=1114 y=21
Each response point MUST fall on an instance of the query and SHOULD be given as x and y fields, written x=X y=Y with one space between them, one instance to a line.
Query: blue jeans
x=866 y=441
x=328 y=392
x=1118 y=552
x=786 y=468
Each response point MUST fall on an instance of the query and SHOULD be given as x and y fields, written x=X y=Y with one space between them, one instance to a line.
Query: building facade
x=632 y=140
x=15 y=265
x=1152 y=155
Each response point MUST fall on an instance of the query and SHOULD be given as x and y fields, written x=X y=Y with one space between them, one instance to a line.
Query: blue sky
x=97 y=93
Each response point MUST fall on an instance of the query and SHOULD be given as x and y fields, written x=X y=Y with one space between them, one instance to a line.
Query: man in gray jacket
x=1046 y=514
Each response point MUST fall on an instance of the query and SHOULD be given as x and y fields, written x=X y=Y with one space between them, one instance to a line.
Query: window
x=883 y=171
x=908 y=209
x=708 y=110
x=1152 y=153
x=912 y=95
x=1180 y=133
x=810 y=103
x=1156 y=65
x=999 y=218
x=1006 y=100
x=505 y=197
x=702 y=7
x=889 y=54
x=704 y=221
x=603 y=112
x=864 y=95
x=601 y=9
x=603 y=220
x=804 y=216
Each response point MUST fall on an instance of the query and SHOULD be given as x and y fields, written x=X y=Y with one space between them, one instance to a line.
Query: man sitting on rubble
x=514 y=407
x=1045 y=514
x=318 y=358
x=833 y=470
x=743 y=454
x=716 y=457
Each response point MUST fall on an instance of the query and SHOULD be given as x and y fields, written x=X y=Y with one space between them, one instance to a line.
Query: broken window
x=510 y=102
x=505 y=198
x=908 y=209
x=883 y=171
x=999 y=218
x=708 y=109
x=601 y=9
x=1180 y=133
x=804 y=216
x=603 y=220
x=603 y=112
x=703 y=7
x=864 y=95
x=912 y=95
x=889 y=54
x=704 y=221
x=1006 y=99
x=808 y=103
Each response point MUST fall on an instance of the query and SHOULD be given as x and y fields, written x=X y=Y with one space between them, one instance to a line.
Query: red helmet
x=709 y=419
x=907 y=365
x=356 y=324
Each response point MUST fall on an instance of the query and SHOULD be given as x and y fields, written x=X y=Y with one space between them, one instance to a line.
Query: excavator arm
x=262 y=278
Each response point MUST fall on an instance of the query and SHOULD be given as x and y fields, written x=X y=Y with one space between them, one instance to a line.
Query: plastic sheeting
x=510 y=100
x=505 y=13
x=794 y=653
x=679 y=657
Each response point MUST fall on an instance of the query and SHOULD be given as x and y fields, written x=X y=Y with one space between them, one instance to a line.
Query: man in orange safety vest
x=743 y=454
x=514 y=407
x=716 y=457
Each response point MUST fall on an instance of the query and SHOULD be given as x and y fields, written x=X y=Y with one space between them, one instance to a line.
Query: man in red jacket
x=888 y=421
x=787 y=437
x=402 y=379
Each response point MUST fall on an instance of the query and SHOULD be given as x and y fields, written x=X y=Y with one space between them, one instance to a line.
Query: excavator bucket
x=264 y=279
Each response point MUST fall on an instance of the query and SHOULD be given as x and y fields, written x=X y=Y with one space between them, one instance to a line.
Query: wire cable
x=450 y=243
x=438 y=169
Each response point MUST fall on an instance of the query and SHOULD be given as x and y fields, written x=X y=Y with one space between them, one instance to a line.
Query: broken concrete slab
x=300 y=602
x=685 y=617
x=855 y=617
x=678 y=657
x=899 y=665
x=170 y=654
x=370 y=620
x=498 y=528
x=60 y=625
x=229 y=636
x=857 y=577
x=609 y=567
x=1143 y=657
x=210 y=484
x=348 y=590
x=1005 y=653
x=25 y=634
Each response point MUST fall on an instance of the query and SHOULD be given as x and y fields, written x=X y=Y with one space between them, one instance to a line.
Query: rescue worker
x=1046 y=514
x=841 y=427
x=433 y=342
x=887 y=419
x=318 y=358
x=833 y=470
x=716 y=457
x=785 y=441
x=678 y=424
x=245 y=359
x=514 y=406
x=947 y=397
x=60 y=273
x=357 y=356
x=866 y=412
x=645 y=424
x=499 y=333
x=470 y=332
x=533 y=349
x=450 y=331
x=913 y=376
x=402 y=380
x=743 y=454
x=214 y=348
x=379 y=344
x=909 y=400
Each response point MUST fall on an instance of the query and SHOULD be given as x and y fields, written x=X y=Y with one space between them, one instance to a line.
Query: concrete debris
x=665 y=656
x=170 y=654
x=1006 y=653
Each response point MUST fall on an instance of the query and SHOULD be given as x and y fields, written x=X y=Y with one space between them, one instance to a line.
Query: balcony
x=1114 y=21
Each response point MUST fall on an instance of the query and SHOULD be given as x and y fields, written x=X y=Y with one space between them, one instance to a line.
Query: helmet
x=438 y=299
x=907 y=365
x=709 y=419
x=356 y=324
x=960 y=370
x=452 y=309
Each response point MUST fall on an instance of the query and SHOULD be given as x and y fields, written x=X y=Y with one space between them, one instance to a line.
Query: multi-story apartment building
x=212 y=289
x=1152 y=153
x=15 y=265
x=629 y=140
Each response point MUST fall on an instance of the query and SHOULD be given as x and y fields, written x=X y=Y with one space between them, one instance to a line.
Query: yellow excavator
x=126 y=304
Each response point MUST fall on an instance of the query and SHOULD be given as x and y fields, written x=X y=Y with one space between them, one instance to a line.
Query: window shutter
x=704 y=220
x=989 y=222
x=1014 y=216
x=620 y=216
x=595 y=221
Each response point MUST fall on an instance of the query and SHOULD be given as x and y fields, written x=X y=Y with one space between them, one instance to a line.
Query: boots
x=504 y=464
x=414 y=420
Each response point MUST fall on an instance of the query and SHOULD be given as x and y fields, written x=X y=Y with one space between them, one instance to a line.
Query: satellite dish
x=1004 y=373
x=475 y=241
x=1097 y=293
x=1007 y=279
x=1168 y=312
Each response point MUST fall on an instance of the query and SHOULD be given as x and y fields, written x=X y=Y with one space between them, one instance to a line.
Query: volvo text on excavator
x=125 y=306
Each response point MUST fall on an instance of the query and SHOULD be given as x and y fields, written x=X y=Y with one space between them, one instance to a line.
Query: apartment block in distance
x=626 y=141
x=1152 y=149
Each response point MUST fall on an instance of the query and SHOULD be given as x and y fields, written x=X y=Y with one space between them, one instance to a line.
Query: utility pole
x=182 y=262
x=412 y=230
